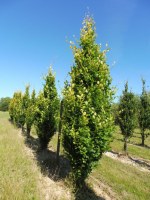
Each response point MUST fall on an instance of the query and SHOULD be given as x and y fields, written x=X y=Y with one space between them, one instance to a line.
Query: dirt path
x=140 y=164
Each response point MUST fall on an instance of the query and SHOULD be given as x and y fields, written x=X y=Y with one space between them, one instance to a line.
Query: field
x=26 y=173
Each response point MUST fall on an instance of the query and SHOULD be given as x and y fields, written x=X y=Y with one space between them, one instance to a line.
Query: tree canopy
x=4 y=103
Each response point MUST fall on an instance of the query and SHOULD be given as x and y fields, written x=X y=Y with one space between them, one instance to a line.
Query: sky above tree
x=35 y=34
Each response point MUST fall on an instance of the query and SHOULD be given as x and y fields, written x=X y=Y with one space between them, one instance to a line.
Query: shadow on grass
x=46 y=159
x=146 y=146
x=86 y=193
x=141 y=162
x=135 y=136
x=11 y=121
x=140 y=145
x=133 y=143
x=119 y=139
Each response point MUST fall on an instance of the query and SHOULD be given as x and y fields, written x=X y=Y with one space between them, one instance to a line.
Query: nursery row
x=83 y=116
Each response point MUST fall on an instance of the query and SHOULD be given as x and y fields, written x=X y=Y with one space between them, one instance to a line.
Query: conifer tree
x=15 y=109
x=24 y=104
x=47 y=109
x=30 y=112
x=12 y=108
x=144 y=114
x=127 y=115
x=87 y=121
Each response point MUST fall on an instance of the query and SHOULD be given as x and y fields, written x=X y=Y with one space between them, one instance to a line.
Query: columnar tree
x=30 y=112
x=24 y=105
x=144 y=112
x=127 y=115
x=87 y=120
x=15 y=109
x=12 y=108
x=47 y=109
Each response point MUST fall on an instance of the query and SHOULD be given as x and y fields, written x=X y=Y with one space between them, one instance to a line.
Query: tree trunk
x=125 y=145
x=59 y=132
x=22 y=128
x=28 y=131
x=143 y=138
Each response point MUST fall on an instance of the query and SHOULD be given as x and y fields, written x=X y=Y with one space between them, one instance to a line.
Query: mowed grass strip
x=126 y=181
x=18 y=174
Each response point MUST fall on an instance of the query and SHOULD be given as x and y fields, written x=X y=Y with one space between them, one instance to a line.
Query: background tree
x=114 y=109
x=47 y=109
x=127 y=115
x=24 y=104
x=137 y=105
x=15 y=109
x=30 y=112
x=144 y=112
x=12 y=108
x=4 y=103
x=87 y=120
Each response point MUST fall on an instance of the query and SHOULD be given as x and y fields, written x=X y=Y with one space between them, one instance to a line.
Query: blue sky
x=35 y=34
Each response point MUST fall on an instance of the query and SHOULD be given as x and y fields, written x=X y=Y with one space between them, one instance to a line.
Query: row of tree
x=41 y=111
x=84 y=117
x=132 y=112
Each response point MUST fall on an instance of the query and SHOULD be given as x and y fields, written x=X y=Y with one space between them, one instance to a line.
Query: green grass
x=133 y=150
x=18 y=174
x=126 y=181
